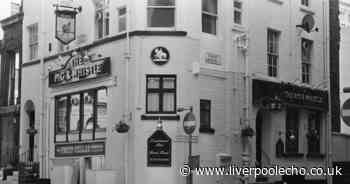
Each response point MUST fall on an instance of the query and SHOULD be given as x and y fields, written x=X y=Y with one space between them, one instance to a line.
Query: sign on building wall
x=159 y=150
x=160 y=56
x=78 y=68
x=213 y=59
x=80 y=149
x=65 y=26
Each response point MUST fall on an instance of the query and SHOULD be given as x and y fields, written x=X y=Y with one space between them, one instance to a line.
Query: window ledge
x=306 y=9
x=207 y=130
x=239 y=28
x=173 y=117
x=277 y=1
x=315 y=155
x=293 y=155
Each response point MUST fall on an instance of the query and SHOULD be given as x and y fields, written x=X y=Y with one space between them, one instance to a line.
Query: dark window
x=292 y=131
x=161 y=13
x=272 y=52
x=82 y=112
x=205 y=118
x=209 y=16
x=237 y=12
x=305 y=2
x=306 y=57
x=314 y=132
x=161 y=94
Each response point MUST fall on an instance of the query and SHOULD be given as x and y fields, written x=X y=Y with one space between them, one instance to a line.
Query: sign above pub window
x=80 y=149
x=78 y=68
x=160 y=56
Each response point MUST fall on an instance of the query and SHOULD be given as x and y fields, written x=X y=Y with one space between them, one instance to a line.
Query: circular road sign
x=345 y=112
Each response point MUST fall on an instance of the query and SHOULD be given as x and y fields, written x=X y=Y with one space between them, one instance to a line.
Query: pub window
x=272 y=52
x=306 y=57
x=122 y=19
x=209 y=16
x=33 y=41
x=314 y=132
x=82 y=112
x=101 y=18
x=292 y=130
x=237 y=12
x=305 y=2
x=205 y=117
x=161 y=94
x=161 y=13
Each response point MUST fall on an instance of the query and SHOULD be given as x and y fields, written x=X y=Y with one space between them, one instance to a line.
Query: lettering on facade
x=79 y=149
x=160 y=56
x=211 y=58
x=289 y=94
x=78 y=69
x=159 y=150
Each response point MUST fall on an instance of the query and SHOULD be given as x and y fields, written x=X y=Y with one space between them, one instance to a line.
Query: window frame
x=305 y=3
x=161 y=91
x=105 y=13
x=205 y=128
x=240 y=10
x=123 y=16
x=81 y=130
x=216 y=16
x=273 y=68
x=306 y=63
x=33 y=40
x=173 y=7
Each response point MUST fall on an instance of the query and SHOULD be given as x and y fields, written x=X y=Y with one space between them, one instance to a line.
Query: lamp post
x=189 y=125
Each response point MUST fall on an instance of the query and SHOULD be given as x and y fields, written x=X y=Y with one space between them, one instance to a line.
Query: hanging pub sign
x=80 y=149
x=159 y=150
x=160 y=56
x=78 y=68
x=290 y=94
x=65 y=26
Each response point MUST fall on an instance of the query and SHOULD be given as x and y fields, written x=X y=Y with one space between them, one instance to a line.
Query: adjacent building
x=253 y=73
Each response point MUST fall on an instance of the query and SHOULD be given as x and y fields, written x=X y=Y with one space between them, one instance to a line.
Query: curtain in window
x=161 y=13
x=153 y=102
x=88 y=116
x=61 y=123
x=101 y=108
x=168 y=102
x=74 y=112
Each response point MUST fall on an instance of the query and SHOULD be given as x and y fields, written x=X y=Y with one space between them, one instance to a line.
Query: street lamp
x=189 y=125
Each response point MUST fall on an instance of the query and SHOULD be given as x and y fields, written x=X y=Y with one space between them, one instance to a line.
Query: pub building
x=106 y=81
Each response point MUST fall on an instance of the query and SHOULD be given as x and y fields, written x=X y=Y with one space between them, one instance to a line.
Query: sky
x=5 y=10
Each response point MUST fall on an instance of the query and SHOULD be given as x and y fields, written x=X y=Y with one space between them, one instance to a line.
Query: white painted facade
x=125 y=155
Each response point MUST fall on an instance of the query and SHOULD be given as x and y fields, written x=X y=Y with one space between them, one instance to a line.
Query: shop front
x=290 y=126
x=80 y=117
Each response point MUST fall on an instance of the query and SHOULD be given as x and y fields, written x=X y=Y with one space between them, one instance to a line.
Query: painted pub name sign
x=78 y=68
x=159 y=150
x=79 y=149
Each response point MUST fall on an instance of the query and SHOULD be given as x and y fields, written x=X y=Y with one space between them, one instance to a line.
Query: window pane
x=106 y=24
x=61 y=123
x=161 y=2
x=99 y=24
x=153 y=102
x=169 y=102
x=122 y=24
x=74 y=113
x=208 y=24
x=205 y=113
x=238 y=4
x=238 y=17
x=210 y=6
x=292 y=131
x=122 y=11
x=153 y=82
x=161 y=17
x=169 y=82
x=101 y=108
x=88 y=111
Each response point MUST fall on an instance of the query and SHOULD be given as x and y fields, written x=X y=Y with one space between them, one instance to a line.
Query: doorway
x=258 y=142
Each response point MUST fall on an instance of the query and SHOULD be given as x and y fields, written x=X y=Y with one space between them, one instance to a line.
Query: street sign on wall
x=345 y=112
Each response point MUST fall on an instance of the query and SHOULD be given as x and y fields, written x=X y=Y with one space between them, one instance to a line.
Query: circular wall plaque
x=160 y=56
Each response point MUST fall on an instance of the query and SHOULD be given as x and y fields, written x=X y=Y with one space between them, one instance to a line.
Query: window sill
x=315 y=155
x=206 y=130
x=277 y=1
x=239 y=28
x=293 y=155
x=306 y=9
x=173 y=117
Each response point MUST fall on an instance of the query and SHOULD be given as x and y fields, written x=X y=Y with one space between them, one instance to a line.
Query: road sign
x=346 y=112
